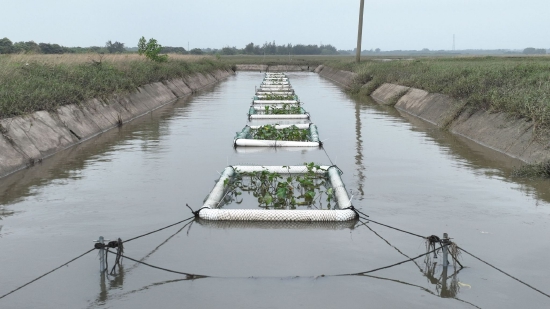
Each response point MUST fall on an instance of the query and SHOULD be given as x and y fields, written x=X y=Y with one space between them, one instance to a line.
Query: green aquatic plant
x=283 y=191
x=279 y=97
x=285 y=109
x=269 y=132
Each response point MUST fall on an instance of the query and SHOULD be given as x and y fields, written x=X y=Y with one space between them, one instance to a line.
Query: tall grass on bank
x=30 y=83
x=519 y=86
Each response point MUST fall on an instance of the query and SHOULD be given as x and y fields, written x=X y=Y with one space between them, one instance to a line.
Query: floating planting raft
x=216 y=198
x=273 y=92
x=277 y=112
x=295 y=135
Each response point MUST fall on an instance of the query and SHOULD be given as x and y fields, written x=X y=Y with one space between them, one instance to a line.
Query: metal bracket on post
x=102 y=254
x=445 y=242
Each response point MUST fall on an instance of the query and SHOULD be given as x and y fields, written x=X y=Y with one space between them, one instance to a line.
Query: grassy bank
x=519 y=86
x=30 y=83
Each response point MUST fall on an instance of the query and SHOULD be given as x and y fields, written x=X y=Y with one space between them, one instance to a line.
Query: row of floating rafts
x=276 y=100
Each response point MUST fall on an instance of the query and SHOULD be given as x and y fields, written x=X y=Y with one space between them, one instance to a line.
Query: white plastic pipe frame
x=273 y=225
x=260 y=108
x=268 y=97
x=287 y=116
x=275 y=92
x=274 y=102
x=245 y=139
x=276 y=87
x=210 y=209
x=254 y=113
x=275 y=82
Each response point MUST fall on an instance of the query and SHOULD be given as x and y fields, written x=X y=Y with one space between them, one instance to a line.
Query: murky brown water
x=401 y=171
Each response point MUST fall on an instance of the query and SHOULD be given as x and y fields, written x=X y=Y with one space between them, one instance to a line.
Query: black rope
x=507 y=274
x=327 y=155
x=195 y=276
x=197 y=212
x=354 y=210
x=120 y=250
x=165 y=269
x=359 y=212
x=391 y=227
x=392 y=265
x=51 y=271
x=160 y=229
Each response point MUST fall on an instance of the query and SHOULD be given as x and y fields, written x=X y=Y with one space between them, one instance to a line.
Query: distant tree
x=173 y=50
x=151 y=50
x=95 y=49
x=534 y=51
x=229 y=50
x=115 y=47
x=377 y=50
x=47 y=48
x=249 y=49
x=196 y=51
x=6 y=46
x=31 y=47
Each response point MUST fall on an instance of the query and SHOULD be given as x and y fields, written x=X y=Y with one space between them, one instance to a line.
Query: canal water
x=400 y=171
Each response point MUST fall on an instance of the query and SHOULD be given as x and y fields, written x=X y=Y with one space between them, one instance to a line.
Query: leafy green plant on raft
x=269 y=132
x=278 y=97
x=285 y=109
x=151 y=50
x=289 y=191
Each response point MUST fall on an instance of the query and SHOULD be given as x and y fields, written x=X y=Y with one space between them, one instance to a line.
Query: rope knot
x=196 y=212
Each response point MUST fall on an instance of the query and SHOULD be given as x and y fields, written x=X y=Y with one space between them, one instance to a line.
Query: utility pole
x=453 y=42
x=359 y=32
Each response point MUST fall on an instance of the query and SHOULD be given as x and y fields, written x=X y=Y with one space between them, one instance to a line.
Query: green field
x=519 y=86
x=30 y=83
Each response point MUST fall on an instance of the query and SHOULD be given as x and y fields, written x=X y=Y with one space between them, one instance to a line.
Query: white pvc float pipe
x=274 y=82
x=275 y=92
x=338 y=188
x=293 y=169
x=269 y=225
x=284 y=116
x=273 y=143
x=284 y=126
x=272 y=149
x=277 y=215
x=275 y=102
x=216 y=195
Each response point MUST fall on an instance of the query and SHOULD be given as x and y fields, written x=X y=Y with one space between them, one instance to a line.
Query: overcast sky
x=388 y=24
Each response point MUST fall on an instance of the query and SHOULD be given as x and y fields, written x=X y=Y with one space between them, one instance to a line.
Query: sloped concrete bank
x=25 y=140
x=274 y=68
x=343 y=78
x=498 y=131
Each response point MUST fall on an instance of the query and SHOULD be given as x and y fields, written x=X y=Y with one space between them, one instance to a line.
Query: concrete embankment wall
x=274 y=68
x=27 y=139
x=499 y=131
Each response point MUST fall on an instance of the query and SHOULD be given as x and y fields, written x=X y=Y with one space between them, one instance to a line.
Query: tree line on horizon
x=268 y=48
